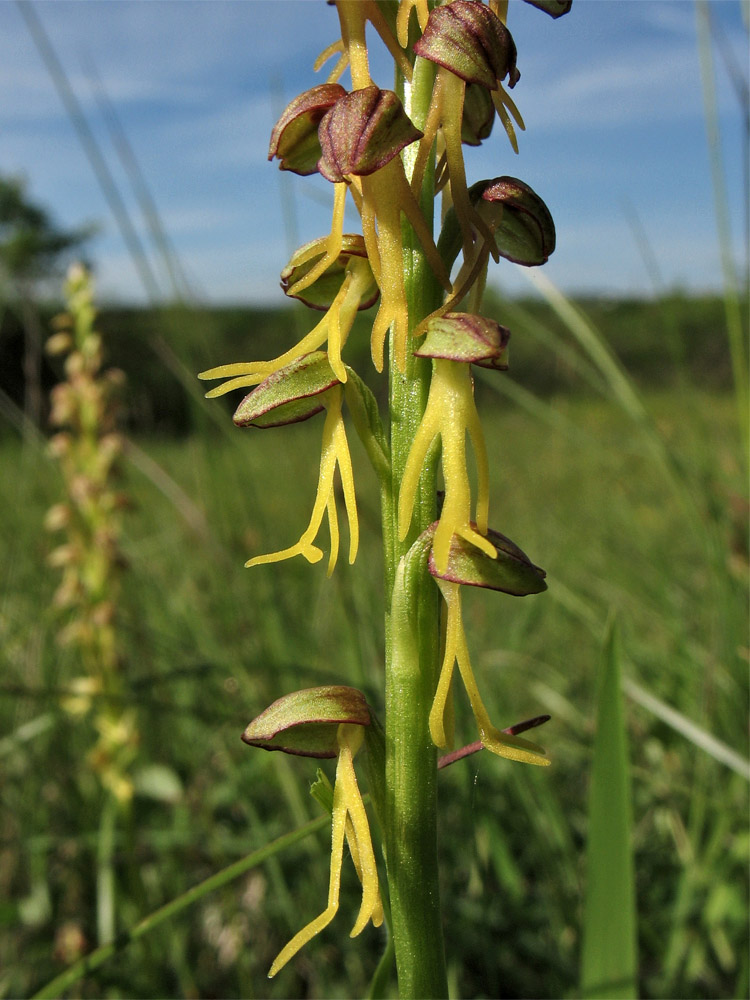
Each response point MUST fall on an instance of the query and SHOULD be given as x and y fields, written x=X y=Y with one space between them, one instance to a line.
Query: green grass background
x=642 y=518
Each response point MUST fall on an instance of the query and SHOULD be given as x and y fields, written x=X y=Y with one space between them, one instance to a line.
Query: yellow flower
x=334 y=451
x=456 y=651
x=449 y=414
x=349 y=822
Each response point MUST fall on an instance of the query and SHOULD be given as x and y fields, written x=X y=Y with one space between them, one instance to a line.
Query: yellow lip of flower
x=449 y=414
x=456 y=651
x=349 y=822
x=334 y=451
x=334 y=327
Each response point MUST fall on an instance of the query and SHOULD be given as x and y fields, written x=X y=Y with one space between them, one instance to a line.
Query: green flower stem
x=412 y=642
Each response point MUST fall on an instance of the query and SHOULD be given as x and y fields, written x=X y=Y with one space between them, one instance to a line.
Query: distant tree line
x=660 y=342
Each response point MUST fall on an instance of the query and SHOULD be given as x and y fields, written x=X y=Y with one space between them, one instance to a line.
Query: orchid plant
x=392 y=153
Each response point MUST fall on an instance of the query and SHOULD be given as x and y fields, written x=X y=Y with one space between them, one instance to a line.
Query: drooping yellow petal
x=502 y=744
x=305 y=545
x=341 y=63
x=450 y=413
x=333 y=244
x=351 y=839
x=441 y=730
x=333 y=528
x=427 y=431
x=380 y=24
x=405 y=8
x=235 y=383
x=349 y=739
x=500 y=9
x=343 y=457
x=468 y=274
x=334 y=451
x=453 y=91
x=338 y=829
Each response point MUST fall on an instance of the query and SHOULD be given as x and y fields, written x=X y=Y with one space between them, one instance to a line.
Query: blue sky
x=611 y=95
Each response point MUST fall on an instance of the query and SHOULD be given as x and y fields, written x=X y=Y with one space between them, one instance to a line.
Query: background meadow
x=619 y=462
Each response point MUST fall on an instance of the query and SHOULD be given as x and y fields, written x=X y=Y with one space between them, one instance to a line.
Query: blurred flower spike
x=511 y=572
x=327 y=722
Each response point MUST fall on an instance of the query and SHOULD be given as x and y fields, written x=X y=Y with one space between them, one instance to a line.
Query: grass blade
x=609 y=957
x=99 y=956
x=686 y=727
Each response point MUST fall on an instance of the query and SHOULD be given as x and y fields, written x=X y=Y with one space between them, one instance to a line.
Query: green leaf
x=322 y=791
x=609 y=956
x=364 y=410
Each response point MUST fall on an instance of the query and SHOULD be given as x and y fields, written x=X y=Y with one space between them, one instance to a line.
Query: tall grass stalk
x=735 y=333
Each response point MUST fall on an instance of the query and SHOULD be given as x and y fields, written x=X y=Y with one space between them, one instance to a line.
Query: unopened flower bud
x=57 y=517
x=59 y=445
x=525 y=232
x=63 y=555
x=468 y=338
x=468 y=39
x=58 y=343
x=362 y=132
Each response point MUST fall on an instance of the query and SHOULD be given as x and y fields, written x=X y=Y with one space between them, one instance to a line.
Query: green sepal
x=467 y=338
x=555 y=8
x=511 y=572
x=288 y=395
x=322 y=791
x=479 y=115
x=525 y=233
x=321 y=293
x=305 y=723
x=523 y=225
x=294 y=139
